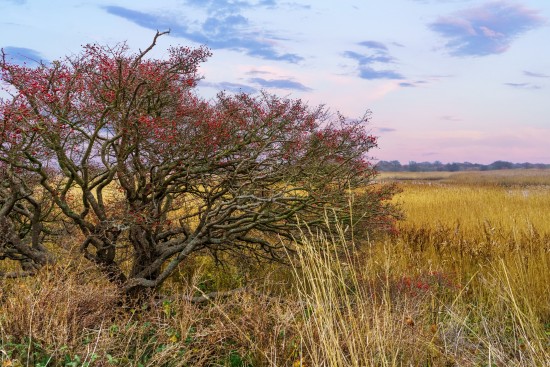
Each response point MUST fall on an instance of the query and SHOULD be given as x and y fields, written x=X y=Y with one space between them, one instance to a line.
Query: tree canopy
x=119 y=150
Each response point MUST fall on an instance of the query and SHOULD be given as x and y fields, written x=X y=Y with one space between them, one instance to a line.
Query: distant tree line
x=412 y=166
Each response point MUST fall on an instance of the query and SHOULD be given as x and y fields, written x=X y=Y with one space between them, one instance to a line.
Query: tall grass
x=470 y=206
x=464 y=282
x=392 y=308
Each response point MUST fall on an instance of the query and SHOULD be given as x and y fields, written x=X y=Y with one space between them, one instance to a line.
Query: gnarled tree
x=149 y=172
x=24 y=221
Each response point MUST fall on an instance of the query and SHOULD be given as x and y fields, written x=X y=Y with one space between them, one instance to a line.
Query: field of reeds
x=465 y=281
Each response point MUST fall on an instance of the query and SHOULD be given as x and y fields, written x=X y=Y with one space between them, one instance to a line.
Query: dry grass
x=471 y=207
x=399 y=306
x=515 y=177
x=465 y=282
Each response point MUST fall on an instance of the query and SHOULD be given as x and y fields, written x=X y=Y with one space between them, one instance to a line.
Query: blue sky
x=448 y=80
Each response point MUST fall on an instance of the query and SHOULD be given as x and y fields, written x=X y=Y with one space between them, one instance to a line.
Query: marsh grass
x=464 y=282
x=513 y=177
x=397 y=306
x=472 y=206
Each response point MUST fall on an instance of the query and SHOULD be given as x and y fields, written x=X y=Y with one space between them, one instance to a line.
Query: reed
x=463 y=282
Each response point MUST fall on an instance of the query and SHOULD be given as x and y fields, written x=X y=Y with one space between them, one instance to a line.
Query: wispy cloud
x=224 y=28
x=385 y=129
x=486 y=30
x=415 y=83
x=268 y=3
x=441 y=1
x=280 y=84
x=374 y=45
x=523 y=85
x=220 y=6
x=21 y=55
x=367 y=63
x=259 y=72
x=380 y=57
x=450 y=118
x=230 y=6
x=230 y=87
x=535 y=75
x=146 y=20
x=370 y=74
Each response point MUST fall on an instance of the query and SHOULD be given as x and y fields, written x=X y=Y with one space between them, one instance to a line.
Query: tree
x=149 y=172
x=23 y=223
x=501 y=165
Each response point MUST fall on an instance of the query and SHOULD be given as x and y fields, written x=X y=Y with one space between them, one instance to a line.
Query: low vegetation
x=463 y=281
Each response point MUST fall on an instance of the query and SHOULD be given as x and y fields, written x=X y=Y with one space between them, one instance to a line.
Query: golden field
x=465 y=281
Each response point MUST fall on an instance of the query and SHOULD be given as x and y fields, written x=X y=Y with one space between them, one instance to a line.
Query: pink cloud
x=487 y=29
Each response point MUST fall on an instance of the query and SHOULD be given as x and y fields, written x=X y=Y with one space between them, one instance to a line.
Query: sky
x=445 y=80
